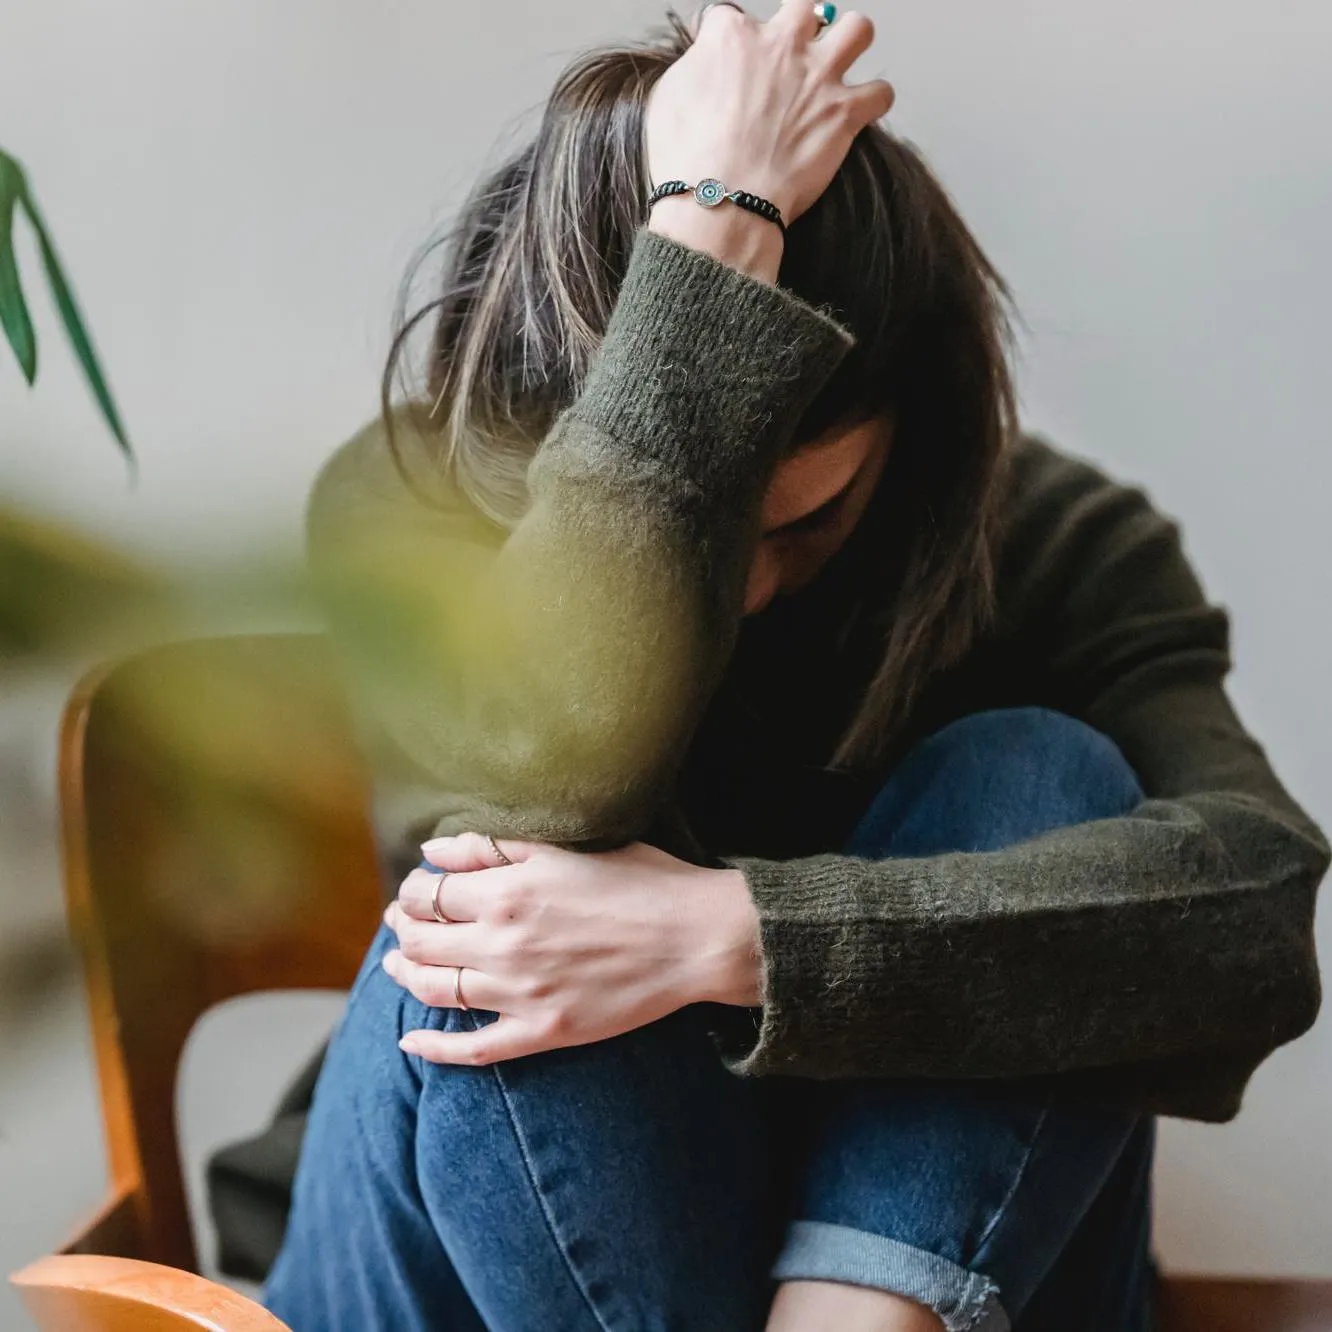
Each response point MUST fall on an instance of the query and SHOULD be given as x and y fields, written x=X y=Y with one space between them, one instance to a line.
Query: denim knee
x=995 y=778
x=1016 y=737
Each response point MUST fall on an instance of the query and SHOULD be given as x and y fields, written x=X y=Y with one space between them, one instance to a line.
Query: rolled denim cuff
x=820 y=1251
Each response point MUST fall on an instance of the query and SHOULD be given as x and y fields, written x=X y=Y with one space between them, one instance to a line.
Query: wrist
x=732 y=954
x=731 y=235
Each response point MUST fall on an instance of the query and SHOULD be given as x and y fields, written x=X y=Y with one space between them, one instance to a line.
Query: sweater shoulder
x=382 y=480
x=362 y=472
x=1080 y=541
x=1049 y=484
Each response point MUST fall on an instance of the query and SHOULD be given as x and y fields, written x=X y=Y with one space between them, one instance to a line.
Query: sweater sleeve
x=1151 y=960
x=543 y=681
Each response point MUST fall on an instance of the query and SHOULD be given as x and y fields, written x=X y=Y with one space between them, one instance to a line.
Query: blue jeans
x=636 y=1184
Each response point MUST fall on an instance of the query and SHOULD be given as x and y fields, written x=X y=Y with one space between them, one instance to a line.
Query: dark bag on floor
x=249 y=1183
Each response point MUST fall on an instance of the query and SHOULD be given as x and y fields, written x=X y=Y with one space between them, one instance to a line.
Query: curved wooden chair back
x=216 y=840
x=92 y=1294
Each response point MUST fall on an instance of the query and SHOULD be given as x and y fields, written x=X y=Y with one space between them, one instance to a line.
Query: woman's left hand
x=569 y=947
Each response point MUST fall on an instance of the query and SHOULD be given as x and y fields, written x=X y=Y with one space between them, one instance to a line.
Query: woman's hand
x=763 y=106
x=568 y=947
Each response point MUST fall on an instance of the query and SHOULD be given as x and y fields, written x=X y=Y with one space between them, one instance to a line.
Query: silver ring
x=499 y=855
x=825 y=12
x=457 y=990
x=434 y=900
x=712 y=4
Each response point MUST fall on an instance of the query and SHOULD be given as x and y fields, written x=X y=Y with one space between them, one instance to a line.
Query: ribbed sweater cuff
x=822 y=970
x=705 y=369
x=791 y=911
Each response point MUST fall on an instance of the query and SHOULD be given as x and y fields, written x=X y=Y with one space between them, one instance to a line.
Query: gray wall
x=238 y=186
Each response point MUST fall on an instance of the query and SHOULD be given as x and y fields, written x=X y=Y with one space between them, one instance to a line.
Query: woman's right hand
x=762 y=106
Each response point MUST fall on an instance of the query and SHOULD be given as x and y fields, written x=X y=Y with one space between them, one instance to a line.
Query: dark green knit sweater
x=588 y=677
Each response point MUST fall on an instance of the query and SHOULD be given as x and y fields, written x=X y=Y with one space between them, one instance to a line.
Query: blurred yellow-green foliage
x=63 y=593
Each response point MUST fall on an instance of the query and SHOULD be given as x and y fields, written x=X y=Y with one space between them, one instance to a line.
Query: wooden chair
x=216 y=843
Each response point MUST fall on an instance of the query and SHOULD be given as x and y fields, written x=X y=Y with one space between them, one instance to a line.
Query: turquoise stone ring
x=825 y=12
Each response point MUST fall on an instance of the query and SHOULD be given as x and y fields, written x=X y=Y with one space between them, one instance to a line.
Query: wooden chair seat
x=85 y=1293
x=217 y=842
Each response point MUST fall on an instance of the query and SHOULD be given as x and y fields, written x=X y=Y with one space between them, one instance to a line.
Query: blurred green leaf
x=14 y=317
x=76 y=328
x=15 y=194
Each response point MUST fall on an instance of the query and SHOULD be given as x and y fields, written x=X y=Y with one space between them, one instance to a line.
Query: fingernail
x=435 y=844
x=408 y=1045
x=389 y=960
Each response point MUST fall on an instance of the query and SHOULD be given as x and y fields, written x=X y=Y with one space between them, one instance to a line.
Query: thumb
x=475 y=851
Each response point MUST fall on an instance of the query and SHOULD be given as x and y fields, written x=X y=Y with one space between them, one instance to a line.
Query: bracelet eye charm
x=710 y=192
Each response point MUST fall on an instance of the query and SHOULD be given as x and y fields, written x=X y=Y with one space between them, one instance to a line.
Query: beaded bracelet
x=711 y=192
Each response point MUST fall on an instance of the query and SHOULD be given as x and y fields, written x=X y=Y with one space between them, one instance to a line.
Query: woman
x=838 y=843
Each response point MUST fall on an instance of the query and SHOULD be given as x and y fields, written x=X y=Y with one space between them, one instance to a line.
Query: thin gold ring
x=434 y=900
x=457 y=990
x=494 y=846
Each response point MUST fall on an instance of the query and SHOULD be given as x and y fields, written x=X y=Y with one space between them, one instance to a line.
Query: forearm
x=545 y=683
x=1112 y=943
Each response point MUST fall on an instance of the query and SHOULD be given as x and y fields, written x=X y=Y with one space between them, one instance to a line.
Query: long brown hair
x=532 y=271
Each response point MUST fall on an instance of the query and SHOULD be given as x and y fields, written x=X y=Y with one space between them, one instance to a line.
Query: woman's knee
x=1024 y=736
x=995 y=778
